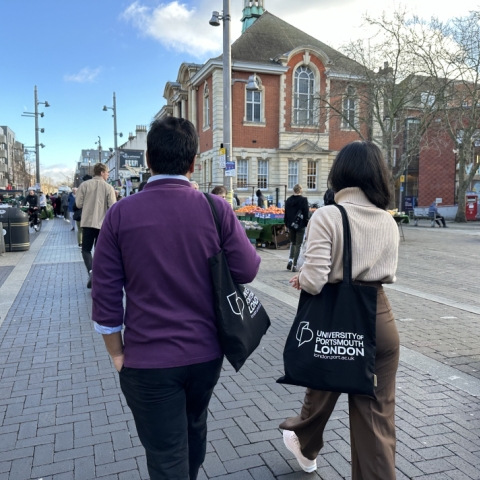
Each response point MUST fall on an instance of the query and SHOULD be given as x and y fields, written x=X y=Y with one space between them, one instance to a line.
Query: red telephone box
x=471 y=206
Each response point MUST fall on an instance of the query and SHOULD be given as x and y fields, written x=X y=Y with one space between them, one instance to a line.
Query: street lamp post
x=99 y=143
x=252 y=84
x=37 y=130
x=115 y=134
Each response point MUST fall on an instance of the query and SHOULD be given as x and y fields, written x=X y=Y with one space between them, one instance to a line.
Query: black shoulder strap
x=215 y=215
x=347 y=246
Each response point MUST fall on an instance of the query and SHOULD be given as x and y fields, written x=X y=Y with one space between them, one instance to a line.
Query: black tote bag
x=332 y=343
x=241 y=319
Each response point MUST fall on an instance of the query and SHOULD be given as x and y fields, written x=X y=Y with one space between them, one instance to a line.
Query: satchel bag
x=332 y=343
x=77 y=215
x=241 y=319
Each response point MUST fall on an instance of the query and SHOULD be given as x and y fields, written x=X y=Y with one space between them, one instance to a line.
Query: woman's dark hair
x=329 y=197
x=361 y=164
x=172 y=145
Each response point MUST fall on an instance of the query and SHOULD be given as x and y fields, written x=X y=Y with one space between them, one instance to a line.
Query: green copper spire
x=252 y=10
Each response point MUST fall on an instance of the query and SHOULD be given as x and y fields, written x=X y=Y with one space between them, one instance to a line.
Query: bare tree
x=457 y=58
x=388 y=99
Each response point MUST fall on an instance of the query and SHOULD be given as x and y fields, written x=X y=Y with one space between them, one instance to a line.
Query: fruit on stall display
x=252 y=209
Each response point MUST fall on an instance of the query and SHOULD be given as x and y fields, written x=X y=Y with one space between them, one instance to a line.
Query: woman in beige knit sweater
x=360 y=180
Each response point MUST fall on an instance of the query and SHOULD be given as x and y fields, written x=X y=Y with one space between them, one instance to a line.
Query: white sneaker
x=293 y=444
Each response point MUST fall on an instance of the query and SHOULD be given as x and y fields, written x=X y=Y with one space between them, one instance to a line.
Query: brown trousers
x=372 y=422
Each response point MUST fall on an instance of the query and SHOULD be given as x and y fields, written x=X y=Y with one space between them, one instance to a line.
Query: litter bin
x=15 y=222
x=471 y=206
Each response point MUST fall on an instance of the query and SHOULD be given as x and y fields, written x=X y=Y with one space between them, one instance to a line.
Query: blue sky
x=79 y=53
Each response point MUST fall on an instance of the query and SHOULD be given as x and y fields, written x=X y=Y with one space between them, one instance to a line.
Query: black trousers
x=90 y=236
x=169 y=406
x=296 y=239
x=442 y=219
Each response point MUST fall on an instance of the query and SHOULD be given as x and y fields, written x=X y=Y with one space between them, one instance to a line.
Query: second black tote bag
x=241 y=319
x=332 y=343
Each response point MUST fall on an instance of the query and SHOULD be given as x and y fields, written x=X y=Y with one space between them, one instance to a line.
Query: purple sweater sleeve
x=242 y=257
x=108 y=277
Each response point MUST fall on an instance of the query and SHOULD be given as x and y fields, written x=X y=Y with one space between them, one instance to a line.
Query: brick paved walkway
x=62 y=415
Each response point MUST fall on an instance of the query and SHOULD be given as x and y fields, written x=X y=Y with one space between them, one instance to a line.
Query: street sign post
x=222 y=157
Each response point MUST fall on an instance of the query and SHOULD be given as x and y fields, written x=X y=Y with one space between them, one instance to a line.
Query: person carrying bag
x=344 y=316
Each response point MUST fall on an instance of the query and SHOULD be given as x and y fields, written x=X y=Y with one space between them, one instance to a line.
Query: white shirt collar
x=162 y=177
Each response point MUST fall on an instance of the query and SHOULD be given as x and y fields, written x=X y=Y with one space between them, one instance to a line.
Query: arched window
x=303 y=103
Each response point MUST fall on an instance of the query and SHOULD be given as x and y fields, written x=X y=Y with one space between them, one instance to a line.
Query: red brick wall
x=437 y=174
x=340 y=137
x=205 y=138
x=256 y=136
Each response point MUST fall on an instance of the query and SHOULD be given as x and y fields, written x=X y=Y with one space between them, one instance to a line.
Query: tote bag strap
x=215 y=217
x=347 y=247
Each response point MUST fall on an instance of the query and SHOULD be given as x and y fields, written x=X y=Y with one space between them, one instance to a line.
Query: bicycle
x=31 y=220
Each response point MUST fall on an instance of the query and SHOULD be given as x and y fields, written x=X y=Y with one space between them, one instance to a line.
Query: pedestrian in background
x=171 y=359
x=260 y=199
x=296 y=219
x=71 y=203
x=42 y=201
x=65 y=206
x=94 y=197
x=433 y=211
x=220 y=191
x=58 y=205
x=360 y=180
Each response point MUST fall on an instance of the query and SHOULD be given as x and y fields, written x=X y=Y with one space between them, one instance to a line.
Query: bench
x=419 y=213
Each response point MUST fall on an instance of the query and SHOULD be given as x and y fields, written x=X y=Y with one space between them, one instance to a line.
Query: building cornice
x=238 y=66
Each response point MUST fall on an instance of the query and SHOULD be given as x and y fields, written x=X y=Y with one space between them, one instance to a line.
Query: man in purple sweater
x=156 y=246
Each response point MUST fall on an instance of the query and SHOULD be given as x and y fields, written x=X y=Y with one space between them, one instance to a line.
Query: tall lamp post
x=36 y=114
x=252 y=84
x=99 y=143
x=115 y=146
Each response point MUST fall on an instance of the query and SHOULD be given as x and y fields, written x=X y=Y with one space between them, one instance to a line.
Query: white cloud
x=58 y=172
x=177 y=26
x=85 y=75
x=184 y=28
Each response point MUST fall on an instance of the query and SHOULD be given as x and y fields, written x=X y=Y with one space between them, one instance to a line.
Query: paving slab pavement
x=62 y=415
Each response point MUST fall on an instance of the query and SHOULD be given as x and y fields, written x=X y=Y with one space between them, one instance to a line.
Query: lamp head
x=42 y=130
x=253 y=84
x=42 y=145
x=47 y=104
x=120 y=135
x=42 y=114
x=111 y=149
x=215 y=21
x=105 y=108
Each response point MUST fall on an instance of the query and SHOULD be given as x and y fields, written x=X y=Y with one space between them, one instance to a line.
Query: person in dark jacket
x=260 y=199
x=33 y=206
x=296 y=219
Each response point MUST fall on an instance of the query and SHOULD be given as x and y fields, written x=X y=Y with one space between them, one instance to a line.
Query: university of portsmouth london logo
x=304 y=334
x=236 y=304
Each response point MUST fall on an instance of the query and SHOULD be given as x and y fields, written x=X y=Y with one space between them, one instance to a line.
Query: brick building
x=281 y=134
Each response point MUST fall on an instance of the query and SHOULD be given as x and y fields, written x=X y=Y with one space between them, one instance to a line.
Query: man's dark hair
x=219 y=190
x=172 y=145
x=329 y=197
x=361 y=164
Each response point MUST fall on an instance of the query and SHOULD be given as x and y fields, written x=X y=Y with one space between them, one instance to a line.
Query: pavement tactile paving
x=62 y=415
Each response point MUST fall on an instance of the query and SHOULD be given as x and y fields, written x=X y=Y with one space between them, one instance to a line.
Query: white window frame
x=254 y=103
x=206 y=106
x=262 y=174
x=311 y=117
x=242 y=171
x=349 y=108
x=293 y=169
x=312 y=176
x=427 y=99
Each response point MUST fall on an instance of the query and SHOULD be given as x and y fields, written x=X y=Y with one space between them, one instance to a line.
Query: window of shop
x=262 y=174
x=254 y=106
x=312 y=175
x=304 y=89
x=292 y=173
x=242 y=174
